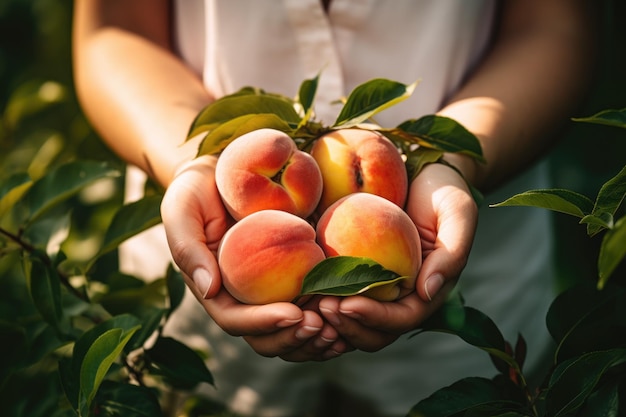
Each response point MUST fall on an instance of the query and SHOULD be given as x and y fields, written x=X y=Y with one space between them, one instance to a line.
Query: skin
x=127 y=78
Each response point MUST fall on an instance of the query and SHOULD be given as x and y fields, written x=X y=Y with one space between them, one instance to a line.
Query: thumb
x=193 y=226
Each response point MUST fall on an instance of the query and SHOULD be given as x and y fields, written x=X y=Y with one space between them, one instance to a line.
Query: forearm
x=526 y=88
x=136 y=93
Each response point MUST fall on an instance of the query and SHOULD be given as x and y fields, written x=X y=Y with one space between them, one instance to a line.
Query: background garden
x=42 y=129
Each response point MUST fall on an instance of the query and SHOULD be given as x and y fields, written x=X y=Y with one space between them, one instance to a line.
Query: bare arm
x=137 y=94
x=527 y=87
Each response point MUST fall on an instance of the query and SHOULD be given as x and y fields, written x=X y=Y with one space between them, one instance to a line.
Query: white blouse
x=275 y=45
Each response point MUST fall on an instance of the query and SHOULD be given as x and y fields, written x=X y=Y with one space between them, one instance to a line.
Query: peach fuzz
x=366 y=225
x=263 y=170
x=359 y=160
x=264 y=257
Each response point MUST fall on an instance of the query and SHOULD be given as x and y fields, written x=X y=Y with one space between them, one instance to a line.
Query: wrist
x=465 y=165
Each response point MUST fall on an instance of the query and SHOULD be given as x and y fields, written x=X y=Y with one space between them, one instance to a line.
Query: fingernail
x=322 y=342
x=330 y=354
x=433 y=285
x=331 y=316
x=288 y=323
x=202 y=278
x=351 y=314
x=306 y=332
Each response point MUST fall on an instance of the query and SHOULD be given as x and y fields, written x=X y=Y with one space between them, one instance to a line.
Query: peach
x=367 y=225
x=359 y=160
x=263 y=170
x=265 y=256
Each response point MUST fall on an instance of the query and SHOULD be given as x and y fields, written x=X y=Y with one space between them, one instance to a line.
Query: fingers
x=445 y=214
x=195 y=221
x=278 y=329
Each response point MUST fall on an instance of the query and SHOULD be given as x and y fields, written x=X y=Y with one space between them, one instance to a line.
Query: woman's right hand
x=195 y=221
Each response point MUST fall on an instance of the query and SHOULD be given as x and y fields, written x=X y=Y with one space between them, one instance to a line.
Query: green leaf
x=420 y=157
x=609 y=199
x=125 y=322
x=151 y=320
x=97 y=361
x=181 y=366
x=608 y=117
x=471 y=325
x=574 y=380
x=14 y=349
x=176 y=288
x=116 y=399
x=12 y=190
x=597 y=222
x=346 y=275
x=463 y=396
x=603 y=402
x=306 y=93
x=612 y=251
x=233 y=106
x=59 y=185
x=370 y=98
x=44 y=286
x=31 y=98
x=444 y=134
x=583 y=310
x=128 y=221
x=217 y=139
x=564 y=201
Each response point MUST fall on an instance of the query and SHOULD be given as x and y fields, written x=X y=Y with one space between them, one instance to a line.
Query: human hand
x=195 y=221
x=441 y=206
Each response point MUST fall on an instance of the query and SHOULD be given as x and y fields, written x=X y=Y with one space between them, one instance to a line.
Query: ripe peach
x=366 y=225
x=359 y=160
x=264 y=169
x=265 y=256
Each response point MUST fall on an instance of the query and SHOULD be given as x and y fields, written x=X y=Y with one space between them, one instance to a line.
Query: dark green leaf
x=50 y=230
x=60 y=184
x=564 y=201
x=151 y=320
x=116 y=399
x=69 y=381
x=130 y=220
x=612 y=251
x=12 y=189
x=583 y=310
x=603 y=402
x=346 y=275
x=219 y=137
x=125 y=322
x=13 y=350
x=609 y=117
x=609 y=199
x=417 y=159
x=233 y=106
x=370 y=98
x=574 y=380
x=306 y=93
x=175 y=288
x=45 y=289
x=97 y=361
x=137 y=301
x=444 y=134
x=471 y=325
x=181 y=366
x=462 y=396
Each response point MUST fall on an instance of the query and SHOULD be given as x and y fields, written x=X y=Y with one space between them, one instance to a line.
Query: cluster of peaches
x=296 y=208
